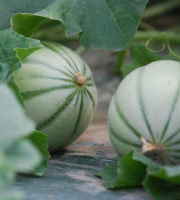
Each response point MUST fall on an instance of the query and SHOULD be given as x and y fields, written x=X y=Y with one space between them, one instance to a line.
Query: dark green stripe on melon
x=123 y=140
x=174 y=150
x=44 y=64
x=73 y=135
x=89 y=78
x=124 y=120
x=84 y=69
x=56 y=50
x=166 y=142
x=174 y=156
x=36 y=93
x=173 y=143
x=90 y=96
x=77 y=99
x=67 y=54
x=166 y=159
x=141 y=103
x=176 y=97
x=38 y=76
x=53 y=117
x=90 y=84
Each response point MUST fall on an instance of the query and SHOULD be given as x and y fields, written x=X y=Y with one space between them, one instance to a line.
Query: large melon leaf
x=105 y=24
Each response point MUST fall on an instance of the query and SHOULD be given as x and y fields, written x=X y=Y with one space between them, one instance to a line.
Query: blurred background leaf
x=8 y=8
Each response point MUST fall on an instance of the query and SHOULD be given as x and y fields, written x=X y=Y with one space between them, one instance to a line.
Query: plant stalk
x=174 y=38
x=119 y=62
x=80 y=50
x=159 y=9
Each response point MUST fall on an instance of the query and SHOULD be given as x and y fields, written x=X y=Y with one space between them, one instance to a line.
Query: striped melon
x=59 y=93
x=144 y=113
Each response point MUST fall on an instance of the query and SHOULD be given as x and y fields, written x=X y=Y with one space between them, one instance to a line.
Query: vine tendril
x=164 y=44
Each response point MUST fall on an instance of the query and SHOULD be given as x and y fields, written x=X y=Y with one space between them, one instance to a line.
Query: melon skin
x=52 y=97
x=147 y=104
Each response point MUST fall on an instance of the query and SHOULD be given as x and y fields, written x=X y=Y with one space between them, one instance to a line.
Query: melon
x=144 y=113
x=58 y=92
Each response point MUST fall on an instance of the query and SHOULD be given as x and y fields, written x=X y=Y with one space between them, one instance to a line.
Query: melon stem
x=155 y=152
x=80 y=79
x=148 y=147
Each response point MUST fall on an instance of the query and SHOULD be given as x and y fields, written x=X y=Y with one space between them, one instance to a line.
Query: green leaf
x=130 y=171
x=169 y=173
x=160 y=189
x=10 y=7
x=141 y=56
x=105 y=24
x=17 y=153
x=129 y=67
x=9 y=41
x=23 y=156
x=14 y=124
x=40 y=141
x=14 y=47
x=135 y=169
x=164 y=183
x=146 y=161
x=109 y=175
x=6 y=173
x=11 y=194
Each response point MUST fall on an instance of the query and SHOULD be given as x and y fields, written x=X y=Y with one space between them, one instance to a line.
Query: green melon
x=59 y=93
x=144 y=113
